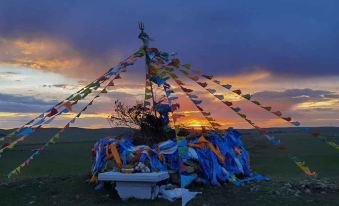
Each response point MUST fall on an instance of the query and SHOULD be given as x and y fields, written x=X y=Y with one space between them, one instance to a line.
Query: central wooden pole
x=145 y=40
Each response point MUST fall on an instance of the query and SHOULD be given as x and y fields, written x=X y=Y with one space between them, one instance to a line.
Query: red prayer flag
x=204 y=84
x=111 y=83
x=103 y=78
x=238 y=91
x=68 y=106
x=195 y=78
x=207 y=76
x=175 y=63
x=228 y=103
x=278 y=113
x=287 y=118
x=186 y=90
x=52 y=112
x=201 y=109
x=117 y=76
x=179 y=82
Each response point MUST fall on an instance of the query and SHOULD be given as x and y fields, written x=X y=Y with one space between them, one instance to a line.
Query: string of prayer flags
x=181 y=144
x=196 y=102
x=52 y=140
x=131 y=59
x=248 y=97
x=324 y=139
x=273 y=140
x=52 y=113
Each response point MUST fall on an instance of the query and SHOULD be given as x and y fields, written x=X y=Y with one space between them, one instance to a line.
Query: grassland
x=58 y=175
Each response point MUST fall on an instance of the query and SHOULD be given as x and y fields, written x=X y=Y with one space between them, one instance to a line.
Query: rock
x=297 y=193
x=308 y=191
x=31 y=202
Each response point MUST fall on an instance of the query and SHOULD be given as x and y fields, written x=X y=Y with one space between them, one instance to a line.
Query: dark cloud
x=287 y=37
x=296 y=95
x=16 y=103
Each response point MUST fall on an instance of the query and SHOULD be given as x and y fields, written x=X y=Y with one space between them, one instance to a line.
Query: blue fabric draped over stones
x=164 y=156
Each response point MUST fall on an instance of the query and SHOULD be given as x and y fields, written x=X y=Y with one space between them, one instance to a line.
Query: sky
x=285 y=53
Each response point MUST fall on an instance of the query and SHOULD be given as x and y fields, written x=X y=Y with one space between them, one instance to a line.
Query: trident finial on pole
x=143 y=36
x=141 y=26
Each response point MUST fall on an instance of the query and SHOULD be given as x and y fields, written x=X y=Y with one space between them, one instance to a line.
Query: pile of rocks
x=311 y=186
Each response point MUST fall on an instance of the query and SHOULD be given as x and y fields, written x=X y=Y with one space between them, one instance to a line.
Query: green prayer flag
x=184 y=72
x=188 y=66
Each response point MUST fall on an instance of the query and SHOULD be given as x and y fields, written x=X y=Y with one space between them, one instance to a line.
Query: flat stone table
x=135 y=185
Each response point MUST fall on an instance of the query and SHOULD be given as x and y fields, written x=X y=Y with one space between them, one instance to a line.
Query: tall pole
x=145 y=40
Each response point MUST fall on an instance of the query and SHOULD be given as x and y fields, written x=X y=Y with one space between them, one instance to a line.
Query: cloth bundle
x=216 y=158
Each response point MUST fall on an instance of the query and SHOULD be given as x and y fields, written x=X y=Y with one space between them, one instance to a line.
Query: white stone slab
x=133 y=177
x=135 y=185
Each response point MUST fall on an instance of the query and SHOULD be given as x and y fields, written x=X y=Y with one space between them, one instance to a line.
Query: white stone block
x=135 y=185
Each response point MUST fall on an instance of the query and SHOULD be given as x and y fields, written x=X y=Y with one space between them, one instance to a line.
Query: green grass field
x=58 y=175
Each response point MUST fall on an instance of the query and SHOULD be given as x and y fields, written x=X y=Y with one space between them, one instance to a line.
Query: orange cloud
x=53 y=55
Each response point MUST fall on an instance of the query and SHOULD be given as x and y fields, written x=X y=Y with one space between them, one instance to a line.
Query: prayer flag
x=203 y=84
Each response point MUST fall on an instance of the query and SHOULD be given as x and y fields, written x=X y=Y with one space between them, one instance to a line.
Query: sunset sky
x=284 y=52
